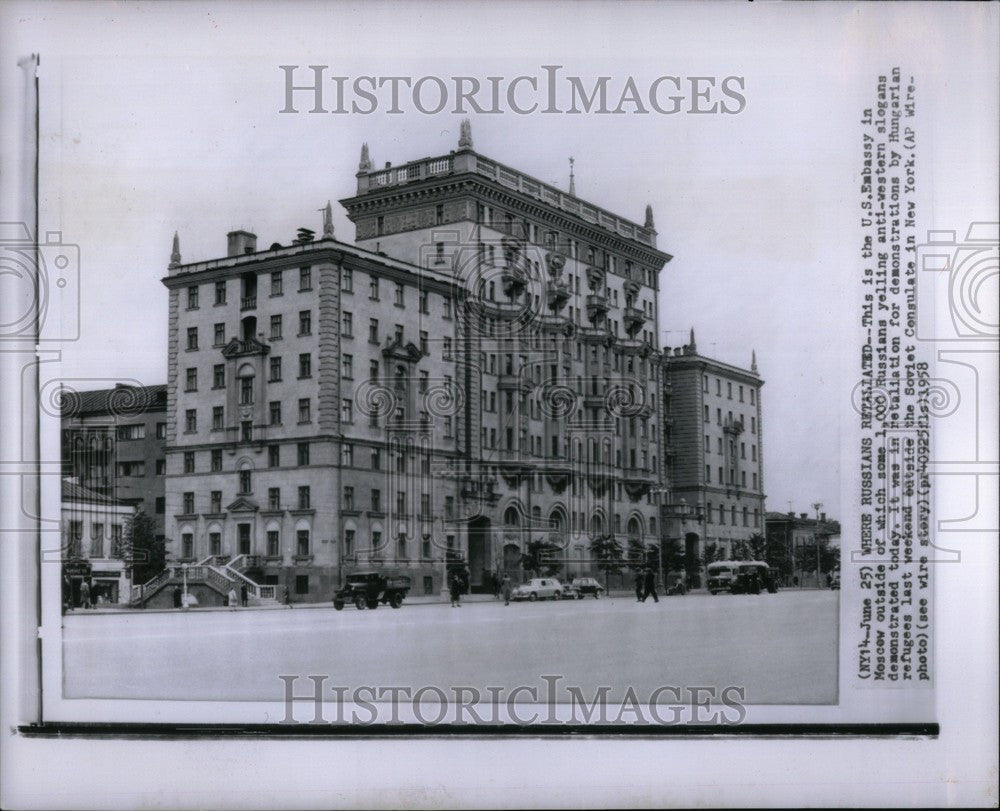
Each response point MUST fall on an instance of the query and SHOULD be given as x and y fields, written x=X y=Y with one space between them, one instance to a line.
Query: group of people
x=88 y=595
x=645 y=585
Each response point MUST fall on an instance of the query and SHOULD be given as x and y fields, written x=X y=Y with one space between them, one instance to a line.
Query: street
x=781 y=647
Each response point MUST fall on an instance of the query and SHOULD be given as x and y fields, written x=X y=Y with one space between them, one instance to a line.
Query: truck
x=368 y=589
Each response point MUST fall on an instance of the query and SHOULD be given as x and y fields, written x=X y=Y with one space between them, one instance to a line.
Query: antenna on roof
x=572 y=178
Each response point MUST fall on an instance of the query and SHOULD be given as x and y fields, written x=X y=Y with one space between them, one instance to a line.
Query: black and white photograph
x=454 y=405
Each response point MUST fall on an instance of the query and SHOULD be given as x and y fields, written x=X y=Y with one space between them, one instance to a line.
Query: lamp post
x=184 y=571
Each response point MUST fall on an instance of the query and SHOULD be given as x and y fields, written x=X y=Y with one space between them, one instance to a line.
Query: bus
x=740 y=577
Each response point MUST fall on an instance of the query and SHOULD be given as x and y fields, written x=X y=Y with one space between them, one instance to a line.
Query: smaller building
x=94 y=537
x=811 y=546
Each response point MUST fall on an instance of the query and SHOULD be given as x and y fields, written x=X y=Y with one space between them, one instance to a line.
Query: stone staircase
x=217 y=574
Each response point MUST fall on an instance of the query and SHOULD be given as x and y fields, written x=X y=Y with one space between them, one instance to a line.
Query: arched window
x=536 y=515
x=596 y=525
x=634 y=529
x=652 y=526
x=512 y=517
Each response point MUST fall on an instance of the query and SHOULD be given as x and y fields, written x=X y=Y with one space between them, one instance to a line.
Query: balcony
x=513 y=280
x=597 y=307
x=248 y=303
x=633 y=319
x=557 y=295
x=519 y=382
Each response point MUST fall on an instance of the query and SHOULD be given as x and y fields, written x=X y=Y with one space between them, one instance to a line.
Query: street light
x=184 y=570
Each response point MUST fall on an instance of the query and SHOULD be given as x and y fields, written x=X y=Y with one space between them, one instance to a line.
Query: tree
x=673 y=555
x=542 y=557
x=141 y=546
x=638 y=555
x=608 y=553
x=711 y=553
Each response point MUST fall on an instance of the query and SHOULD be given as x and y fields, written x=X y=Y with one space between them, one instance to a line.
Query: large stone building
x=715 y=436
x=807 y=544
x=113 y=445
x=479 y=371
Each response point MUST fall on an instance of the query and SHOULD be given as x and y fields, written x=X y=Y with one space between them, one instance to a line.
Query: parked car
x=368 y=589
x=570 y=592
x=539 y=588
x=588 y=585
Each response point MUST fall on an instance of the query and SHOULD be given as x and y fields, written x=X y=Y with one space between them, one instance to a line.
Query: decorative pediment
x=238 y=347
x=243 y=505
x=396 y=349
x=636 y=490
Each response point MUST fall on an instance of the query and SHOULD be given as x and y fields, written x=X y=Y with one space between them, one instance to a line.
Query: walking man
x=85 y=594
x=649 y=584
x=639 y=586
x=177 y=596
x=505 y=588
x=243 y=595
x=455 y=589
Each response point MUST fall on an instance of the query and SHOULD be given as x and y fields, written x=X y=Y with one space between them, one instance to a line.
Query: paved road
x=782 y=648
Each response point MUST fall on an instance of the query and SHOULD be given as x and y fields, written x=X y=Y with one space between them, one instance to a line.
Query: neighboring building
x=93 y=529
x=480 y=371
x=113 y=444
x=803 y=537
x=714 y=434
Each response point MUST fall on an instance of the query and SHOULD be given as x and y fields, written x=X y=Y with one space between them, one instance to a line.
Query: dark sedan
x=588 y=585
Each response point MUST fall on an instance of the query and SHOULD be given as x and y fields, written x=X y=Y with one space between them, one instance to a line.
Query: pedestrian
x=177 y=596
x=649 y=586
x=640 y=584
x=455 y=588
x=85 y=594
x=288 y=600
x=243 y=594
x=505 y=588
x=232 y=598
x=497 y=586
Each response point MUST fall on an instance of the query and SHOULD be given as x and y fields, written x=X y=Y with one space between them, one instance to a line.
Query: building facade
x=113 y=444
x=94 y=527
x=478 y=373
x=807 y=544
x=714 y=431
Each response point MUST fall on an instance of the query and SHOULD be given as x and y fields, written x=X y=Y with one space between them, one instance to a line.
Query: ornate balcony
x=557 y=294
x=513 y=280
x=634 y=318
x=248 y=303
x=597 y=307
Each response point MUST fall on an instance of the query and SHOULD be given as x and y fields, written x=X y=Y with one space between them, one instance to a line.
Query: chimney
x=791 y=514
x=241 y=242
x=822 y=516
x=803 y=516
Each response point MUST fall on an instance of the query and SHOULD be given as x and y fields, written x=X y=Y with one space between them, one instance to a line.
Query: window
x=718 y=386
x=746 y=517
x=399 y=299
x=219 y=376
x=161 y=467
x=245 y=482
x=706 y=413
x=219 y=332
x=305 y=365
x=424 y=308
x=305 y=279
x=304 y=499
x=348 y=542
x=741 y=394
x=373 y=330
x=274 y=369
x=722 y=514
x=161 y=430
x=191 y=380
x=422 y=382
x=215 y=500
x=347 y=325
x=346 y=411
x=215 y=543
x=274 y=455
x=401 y=502
x=188 y=508
x=246 y=391
x=449 y=507
x=192 y=339
x=401 y=545
x=718 y=416
x=305 y=322
x=708 y=474
x=348 y=500
x=305 y=410
x=425 y=505
x=376 y=501
x=160 y=505
x=446 y=306
x=373 y=288
x=303 y=453
x=446 y=349
x=189 y=461
x=423 y=342
x=246 y=431
x=751 y=396
x=302 y=580
x=439 y=213
x=754 y=484
x=187 y=545
x=190 y=421
x=347 y=455
x=376 y=459
x=96 y=540
x=347 y=367
x=399 y=333
x=275 y=327
x=708 y=447
x=276 y=283
x=216 y=460
x=127 y=432
x=75 y=536
x=192 y=297
x=273 y=543
x=220 y=293
x=347 y=280
x=753 y=423
x=275 y=412
x=729 y=390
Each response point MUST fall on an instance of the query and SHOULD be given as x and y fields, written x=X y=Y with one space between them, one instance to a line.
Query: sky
x=165 y=117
